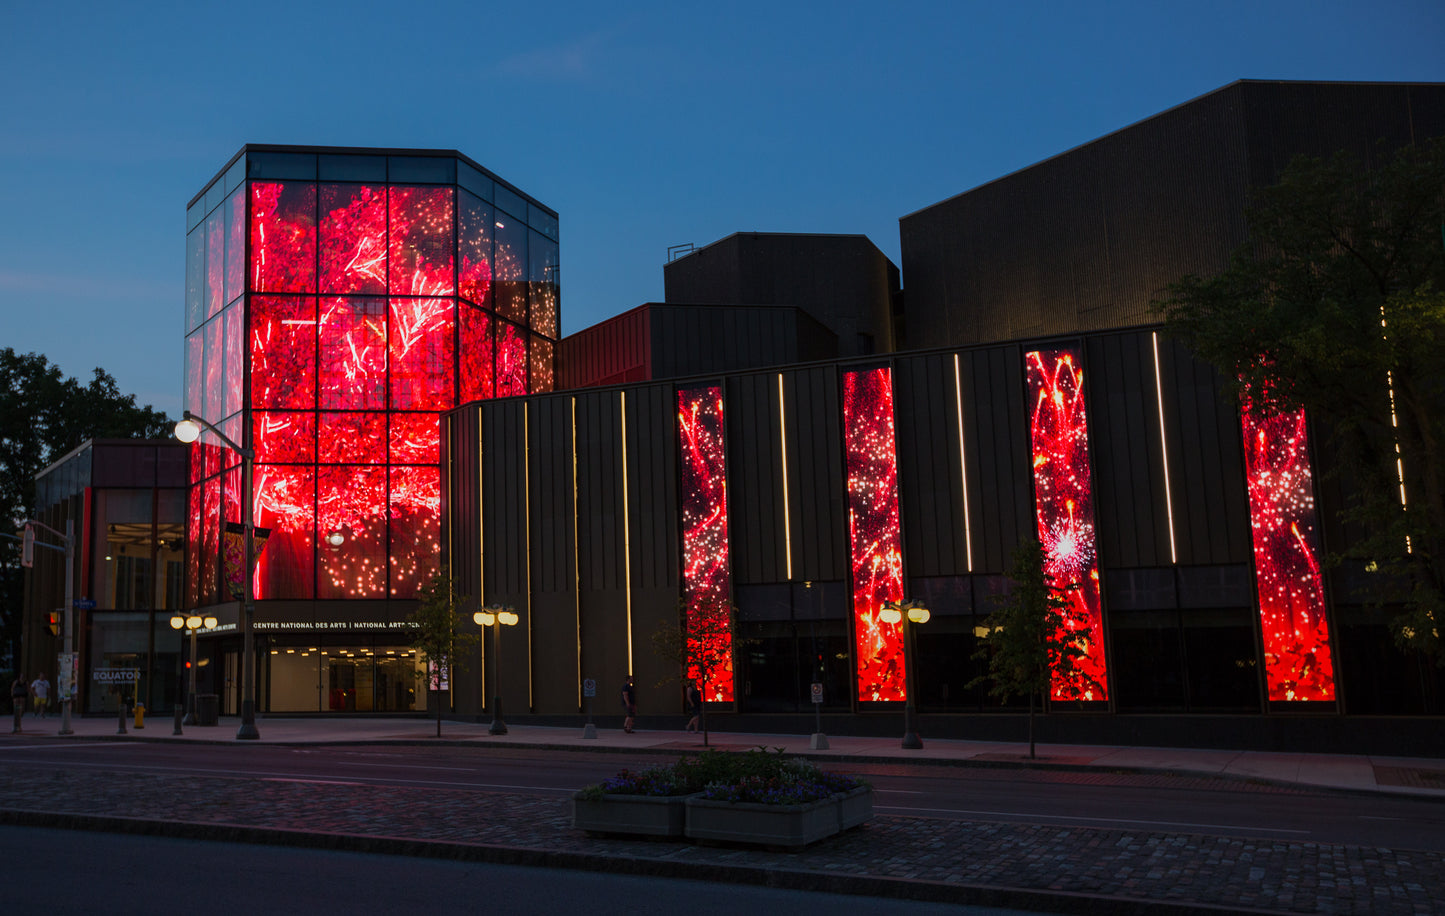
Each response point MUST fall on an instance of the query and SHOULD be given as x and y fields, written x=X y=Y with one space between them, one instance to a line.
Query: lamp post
x=192 y=623
x=189 y=430
x=496 y=616
x=909 y=613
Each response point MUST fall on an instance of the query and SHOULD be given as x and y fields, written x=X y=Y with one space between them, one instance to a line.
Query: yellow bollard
x=140 y=716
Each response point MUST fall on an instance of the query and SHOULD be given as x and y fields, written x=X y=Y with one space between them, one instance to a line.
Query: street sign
x=65 y=677
x=27 y=548
x=817 y=692
x=83 y=604
x=589 y=687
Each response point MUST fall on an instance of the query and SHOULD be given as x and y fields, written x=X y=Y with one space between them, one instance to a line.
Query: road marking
x=404 y=766
x=321 y=782
x=65 y=745
x=1092 y=820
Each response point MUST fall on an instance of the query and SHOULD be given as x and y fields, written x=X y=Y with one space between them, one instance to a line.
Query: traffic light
x=54 y=623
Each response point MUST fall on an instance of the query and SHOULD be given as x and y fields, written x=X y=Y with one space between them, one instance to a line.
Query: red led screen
x=1064 y=509
x=285 y=497
x=283 y=237
x=875 y=542
x=215 y=262
x=352 y=438
x=235 y=210
x=353 y=238
x=1297 y=660
x=283 y=352
x=353 y=354
x=421 y=242
x=706 y=572
x=420 y=356
x=475 y=246
x=511 y=361
x=352 y=500
x=476 y=354
x=415 y=438
x=414 y=516
x=284 y=436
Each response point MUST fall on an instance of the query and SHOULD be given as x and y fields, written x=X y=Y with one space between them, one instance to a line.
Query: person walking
x=18 y=693
x=692 y=702
x=629 y=704
x=40 y=694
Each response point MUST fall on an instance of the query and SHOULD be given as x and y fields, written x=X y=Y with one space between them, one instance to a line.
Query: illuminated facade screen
x=706 y=571
x=1297 y=659
x=874 y=538
x=339 y=318
x=1064 y=509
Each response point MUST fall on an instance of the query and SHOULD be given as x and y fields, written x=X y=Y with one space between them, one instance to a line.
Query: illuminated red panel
x=231 y=428
x=231 y=495
x=421 y=242
x=544 y=277
x=215 y=262
x=353 y=238
x=415 y=438
x=475 y=247
x=509 y=270
x=194 y=399
x=285 y=503
x=415 y=522
x=1064 y=509
x=871 y=461
x=542 y=376
x=420 y=358
x=234 y=334
x=511 y=361
x=284 y=436
x=1297 y=658
x=194 y=546
x=210 y=540
x=215 y=399
x=283 y=237
x=283 y=352
x=235 y=244
x=352 y=438
x=353 y=354
x=702 y=492
x=352 y=499
x=476 y=354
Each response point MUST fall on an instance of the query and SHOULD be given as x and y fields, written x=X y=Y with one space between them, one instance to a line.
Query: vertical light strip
x=962 y=462
x=783 y=450
x=527 y=533
x=626 y=535
x=1064 y=510
x=481 y=552
x=1395 y=425
x=576 y=560
x=1164 y=450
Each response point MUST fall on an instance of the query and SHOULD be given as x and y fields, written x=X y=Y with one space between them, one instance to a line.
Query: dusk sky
x=644 y=125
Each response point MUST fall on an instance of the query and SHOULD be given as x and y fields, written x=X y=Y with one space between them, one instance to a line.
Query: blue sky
x=643 y=124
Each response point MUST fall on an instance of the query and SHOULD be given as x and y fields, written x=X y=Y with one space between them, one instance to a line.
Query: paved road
x=148 y=875
x=1194 y=804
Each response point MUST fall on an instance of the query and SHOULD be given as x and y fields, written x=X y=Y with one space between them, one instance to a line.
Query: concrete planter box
x=788 y=826
x=636 y=815
x=854 y=807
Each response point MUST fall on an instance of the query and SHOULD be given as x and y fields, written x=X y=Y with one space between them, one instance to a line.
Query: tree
x=701 y=645
x=1027 y=646
x=43 y=415
x=438 y=631
x=1337 y=306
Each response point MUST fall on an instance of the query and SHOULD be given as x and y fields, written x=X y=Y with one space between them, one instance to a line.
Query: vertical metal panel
x=599 y=492
x=504 y=505
x=755 y=497
x=652 y=470
x=1133 y=524
x=1211 y=510
x=996 y=437
x=550 y=452
x=930 y=486
x=463 y=499
x=816 y=484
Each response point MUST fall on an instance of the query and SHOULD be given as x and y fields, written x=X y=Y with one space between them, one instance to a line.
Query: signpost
x=589 y=690
x=819 y=741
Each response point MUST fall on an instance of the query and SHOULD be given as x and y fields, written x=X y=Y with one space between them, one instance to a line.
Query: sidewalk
x=1027 y=866
x=1414 y=776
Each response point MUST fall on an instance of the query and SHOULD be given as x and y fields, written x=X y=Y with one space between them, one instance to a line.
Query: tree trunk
x=1031 y=725
x=702 y=712
x=439 y=709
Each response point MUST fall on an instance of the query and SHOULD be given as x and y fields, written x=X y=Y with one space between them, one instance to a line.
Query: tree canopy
x=1337 y=306
x=43 y=415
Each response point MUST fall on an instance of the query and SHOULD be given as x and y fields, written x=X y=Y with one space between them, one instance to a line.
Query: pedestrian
x=692 y=702
x=18 y=693
x=629 y=704
x=40 y=694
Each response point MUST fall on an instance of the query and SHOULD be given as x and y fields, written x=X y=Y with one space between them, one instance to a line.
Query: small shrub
x=762 y=776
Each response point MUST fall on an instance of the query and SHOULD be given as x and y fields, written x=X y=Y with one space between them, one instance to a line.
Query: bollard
x=178 y=720
x=121 y=707
x=140 y=716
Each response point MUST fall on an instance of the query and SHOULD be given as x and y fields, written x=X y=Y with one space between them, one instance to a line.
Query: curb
x=780 y=878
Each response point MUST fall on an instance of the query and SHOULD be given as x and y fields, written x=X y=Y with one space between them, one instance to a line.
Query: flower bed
x=757 y=797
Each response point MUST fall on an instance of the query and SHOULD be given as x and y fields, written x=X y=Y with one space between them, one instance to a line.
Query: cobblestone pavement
x=1073 y=869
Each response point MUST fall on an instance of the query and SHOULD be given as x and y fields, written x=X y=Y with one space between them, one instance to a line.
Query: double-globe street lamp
x=191 y=623
x=908 y=613
x=189 y=430
x=496 y=616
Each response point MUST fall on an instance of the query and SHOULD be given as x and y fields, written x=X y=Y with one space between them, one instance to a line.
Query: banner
x=233 y=549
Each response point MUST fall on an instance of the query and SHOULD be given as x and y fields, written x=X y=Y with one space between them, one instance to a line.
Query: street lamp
x=909 y=613
x=192 y=623
x=496 y=616
x=189 y=430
